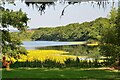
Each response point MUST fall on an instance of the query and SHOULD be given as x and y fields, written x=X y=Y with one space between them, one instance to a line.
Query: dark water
x=78 y=50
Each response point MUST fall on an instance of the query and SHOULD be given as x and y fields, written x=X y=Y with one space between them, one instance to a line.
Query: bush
x=54 y=64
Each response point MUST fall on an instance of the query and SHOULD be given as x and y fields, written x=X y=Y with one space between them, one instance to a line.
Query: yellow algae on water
x=42 y=55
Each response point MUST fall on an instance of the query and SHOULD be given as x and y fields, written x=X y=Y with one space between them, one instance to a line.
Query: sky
x=77 y=13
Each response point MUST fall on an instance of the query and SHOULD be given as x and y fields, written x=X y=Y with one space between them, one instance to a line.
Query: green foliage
x=74 y=32
x=110 y=46
x=22 y=36
x=67 y=63
x=112 y=15
x=16 y=19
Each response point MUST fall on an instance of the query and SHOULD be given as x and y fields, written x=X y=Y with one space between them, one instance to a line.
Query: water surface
x=37 y=44
x=74 y=48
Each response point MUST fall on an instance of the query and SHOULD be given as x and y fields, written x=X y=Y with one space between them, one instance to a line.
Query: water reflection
x=78 y=50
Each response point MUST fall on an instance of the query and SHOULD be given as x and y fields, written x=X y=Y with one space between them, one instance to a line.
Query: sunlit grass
x=60 y=73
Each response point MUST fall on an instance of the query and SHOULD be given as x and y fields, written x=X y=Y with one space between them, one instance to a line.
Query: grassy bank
x=61 y=73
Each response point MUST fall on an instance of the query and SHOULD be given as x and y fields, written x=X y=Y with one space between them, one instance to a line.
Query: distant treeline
x=23 y=36
x=73 y=32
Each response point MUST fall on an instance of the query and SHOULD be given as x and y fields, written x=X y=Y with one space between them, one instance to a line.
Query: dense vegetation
x=110 y=42
x=74 y=32
x=17 y=19
x=22 y=36
x=48 y=63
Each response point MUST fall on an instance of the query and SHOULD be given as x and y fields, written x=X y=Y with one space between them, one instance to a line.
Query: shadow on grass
x=60 y=74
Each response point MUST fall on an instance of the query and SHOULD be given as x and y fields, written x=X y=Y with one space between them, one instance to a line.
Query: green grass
x=59 y=73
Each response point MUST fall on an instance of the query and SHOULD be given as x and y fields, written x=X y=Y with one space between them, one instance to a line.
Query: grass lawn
x=61 y=73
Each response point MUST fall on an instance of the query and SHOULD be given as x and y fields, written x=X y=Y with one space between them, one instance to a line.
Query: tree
x=112 y=15
x=16 y=19
x=111 y=40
